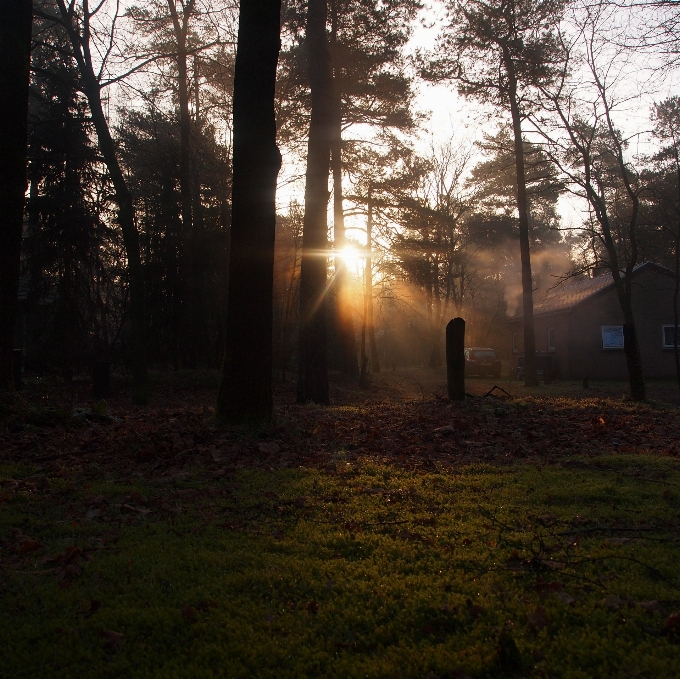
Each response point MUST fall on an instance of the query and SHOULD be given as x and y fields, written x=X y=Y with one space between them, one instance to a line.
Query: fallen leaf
x=614 y=602
x=538 y=619
x=544 y=586
x=206 y=604
x=652 y=607
x=554 y=565
x=29 y=545
x=566 y=597
x=446 y=429
x=673 y=622
x=112 y=639
x=139 y=510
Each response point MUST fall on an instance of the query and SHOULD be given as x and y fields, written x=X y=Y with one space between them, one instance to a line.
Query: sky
x=450 y=115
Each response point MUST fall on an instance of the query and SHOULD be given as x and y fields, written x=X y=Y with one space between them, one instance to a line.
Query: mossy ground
x=355 y=570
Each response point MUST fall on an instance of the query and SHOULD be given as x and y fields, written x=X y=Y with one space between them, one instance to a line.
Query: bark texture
x=245 y=391
x=15 y=50
x=370 y=322
x=180 y=23
x=312 y=366
x=345 y=325
x=530 y=374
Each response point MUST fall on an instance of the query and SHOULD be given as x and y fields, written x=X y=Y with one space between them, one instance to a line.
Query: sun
x=351 y=256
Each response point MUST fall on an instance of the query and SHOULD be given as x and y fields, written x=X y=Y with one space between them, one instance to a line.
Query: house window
x=515 y=348
x=612 y=336
x=668 y=336
x=551 y=339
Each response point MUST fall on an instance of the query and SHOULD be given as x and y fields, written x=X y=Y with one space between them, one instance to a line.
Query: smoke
x=548 y=268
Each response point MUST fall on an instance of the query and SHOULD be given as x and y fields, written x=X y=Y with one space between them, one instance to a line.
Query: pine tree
x=499 y=52
x=76 y=20
x=15 y=50
x=312 y=365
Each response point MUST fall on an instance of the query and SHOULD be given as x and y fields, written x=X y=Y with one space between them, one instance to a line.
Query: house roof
x=574 y=291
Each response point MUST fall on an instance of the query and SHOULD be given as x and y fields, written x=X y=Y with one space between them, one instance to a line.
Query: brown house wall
x=578 y=335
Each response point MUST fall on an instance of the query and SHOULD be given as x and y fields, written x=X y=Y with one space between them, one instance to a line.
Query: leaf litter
x=428 y=483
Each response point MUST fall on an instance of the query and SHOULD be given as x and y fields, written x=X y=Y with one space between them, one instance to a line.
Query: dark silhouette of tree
x=499 y=52
x=150 y=150
x=245 y=391
x=663 y=201
x=312 y=365
x=15 y=50
x=186 y=46
x=432 y=246
x=76 y=20
x=370 y=86
x=592 y=153
x=69 y=276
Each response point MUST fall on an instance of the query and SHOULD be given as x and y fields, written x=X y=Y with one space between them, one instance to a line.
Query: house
x=580 y=324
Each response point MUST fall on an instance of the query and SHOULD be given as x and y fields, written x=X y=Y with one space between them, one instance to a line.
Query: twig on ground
x=495 y=386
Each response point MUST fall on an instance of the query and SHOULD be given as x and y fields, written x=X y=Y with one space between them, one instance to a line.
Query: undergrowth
x=358 y=570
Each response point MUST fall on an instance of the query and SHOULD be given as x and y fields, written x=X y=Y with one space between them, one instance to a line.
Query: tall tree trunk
x=363 y=372
x=312 y=367
x=676 y=290
x=180 y=24
x=199 y=292
x=289 y=302
x=15 y=52
x=530 y=374
x=624 y=291
x=79 y=37
x=345 y=325
x=126 y=219
x=436 y=324
x=245 y=391
x=370 y=324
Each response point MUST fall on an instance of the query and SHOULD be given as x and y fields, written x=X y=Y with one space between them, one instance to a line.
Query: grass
x=360 y=570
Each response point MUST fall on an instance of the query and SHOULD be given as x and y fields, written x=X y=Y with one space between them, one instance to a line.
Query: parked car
x=482 y=361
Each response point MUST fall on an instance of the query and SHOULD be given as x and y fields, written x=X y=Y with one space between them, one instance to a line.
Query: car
x=482 y=361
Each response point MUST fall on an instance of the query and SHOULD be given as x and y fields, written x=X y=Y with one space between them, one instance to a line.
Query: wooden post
x=455 y=359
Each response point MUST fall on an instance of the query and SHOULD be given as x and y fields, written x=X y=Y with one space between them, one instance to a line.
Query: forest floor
x=533 y=533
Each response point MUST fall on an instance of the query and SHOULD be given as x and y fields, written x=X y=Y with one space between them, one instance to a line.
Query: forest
x=232 y=236
x=385 y=227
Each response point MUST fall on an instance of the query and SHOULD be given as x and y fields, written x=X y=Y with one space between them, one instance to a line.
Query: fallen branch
x=495 y=386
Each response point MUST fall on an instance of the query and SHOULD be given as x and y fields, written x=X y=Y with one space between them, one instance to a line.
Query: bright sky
x=453 y=116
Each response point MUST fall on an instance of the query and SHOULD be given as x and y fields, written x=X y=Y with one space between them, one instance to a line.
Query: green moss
x=434 y=572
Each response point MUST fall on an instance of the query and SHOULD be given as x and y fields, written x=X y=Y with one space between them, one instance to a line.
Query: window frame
x=663 y=336
x=606 y=347
x=551 y=334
